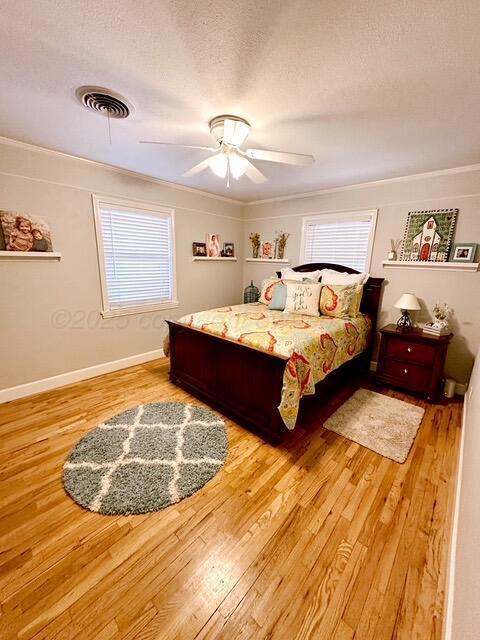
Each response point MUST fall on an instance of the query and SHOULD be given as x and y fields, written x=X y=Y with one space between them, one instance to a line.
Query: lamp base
x=404 y=322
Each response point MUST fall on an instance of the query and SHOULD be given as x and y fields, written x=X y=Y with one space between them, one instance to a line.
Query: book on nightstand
x=434 y=331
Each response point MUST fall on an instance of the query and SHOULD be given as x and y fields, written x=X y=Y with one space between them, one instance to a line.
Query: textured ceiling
x=373 y=89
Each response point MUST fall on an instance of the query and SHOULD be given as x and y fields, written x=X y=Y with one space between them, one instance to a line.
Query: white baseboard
x=38 y=386
x=450 y=583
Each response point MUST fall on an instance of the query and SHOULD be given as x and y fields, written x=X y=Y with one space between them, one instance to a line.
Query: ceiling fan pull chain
x=109 y=129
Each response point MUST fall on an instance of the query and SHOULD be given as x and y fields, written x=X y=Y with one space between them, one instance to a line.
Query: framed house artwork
x=22 y=232
x=463 y=252
x=428 y=235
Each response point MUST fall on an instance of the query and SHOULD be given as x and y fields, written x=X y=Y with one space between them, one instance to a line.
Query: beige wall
x=31 y=292
x=394 y=200
x=59 y=188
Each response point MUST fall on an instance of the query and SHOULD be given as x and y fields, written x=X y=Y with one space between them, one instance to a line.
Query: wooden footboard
x=245 y=383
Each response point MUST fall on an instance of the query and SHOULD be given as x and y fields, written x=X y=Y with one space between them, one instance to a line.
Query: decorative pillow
x=297 y=276
x=279 y=298
x=268 y=287
x=341 y=301
x=329 y=276
x=303 y=298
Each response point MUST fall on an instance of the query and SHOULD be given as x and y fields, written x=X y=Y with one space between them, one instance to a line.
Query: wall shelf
x=30 y=255
x=205 y=259
x=436 y=266
x=268 y=260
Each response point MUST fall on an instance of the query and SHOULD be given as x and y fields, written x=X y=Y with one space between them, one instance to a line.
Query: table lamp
x=407 y=302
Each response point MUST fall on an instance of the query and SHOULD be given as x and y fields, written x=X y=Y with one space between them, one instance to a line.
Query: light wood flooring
x=318 y=538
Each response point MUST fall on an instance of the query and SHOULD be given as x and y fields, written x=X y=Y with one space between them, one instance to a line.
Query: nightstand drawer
x=408 y=374
x=410 y=351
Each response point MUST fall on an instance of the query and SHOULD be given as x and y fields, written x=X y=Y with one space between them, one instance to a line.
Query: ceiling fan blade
x=253 y=173
x=280 y=156
x=201 y=166
x=182 y=146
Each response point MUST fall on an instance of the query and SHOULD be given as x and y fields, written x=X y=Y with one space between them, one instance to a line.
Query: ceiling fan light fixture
x=238 y=165
x=219 y=165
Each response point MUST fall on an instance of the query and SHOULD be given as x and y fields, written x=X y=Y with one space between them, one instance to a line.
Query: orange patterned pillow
x=268 y=287
x=341 y=301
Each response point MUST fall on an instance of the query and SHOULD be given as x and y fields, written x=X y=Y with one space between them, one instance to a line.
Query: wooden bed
x=246 y=383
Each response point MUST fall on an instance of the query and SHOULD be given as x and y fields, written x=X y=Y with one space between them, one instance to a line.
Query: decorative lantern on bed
x=251 y=293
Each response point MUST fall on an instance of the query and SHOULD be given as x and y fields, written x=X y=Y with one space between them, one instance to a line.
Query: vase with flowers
x=255 y=240
x=280 y=244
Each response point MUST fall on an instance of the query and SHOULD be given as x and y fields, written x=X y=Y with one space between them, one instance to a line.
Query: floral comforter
x=314 y=346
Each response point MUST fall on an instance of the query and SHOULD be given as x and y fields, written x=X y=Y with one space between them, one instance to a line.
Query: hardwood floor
x=318 y=538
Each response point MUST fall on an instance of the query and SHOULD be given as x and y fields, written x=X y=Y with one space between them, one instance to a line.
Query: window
x=344 y=239
x=136 y=256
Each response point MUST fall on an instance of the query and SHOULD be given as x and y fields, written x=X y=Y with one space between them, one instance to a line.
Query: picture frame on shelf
x=199 y=249
x=228 y=250
x=463 y=252
x=213 y=245
x=268 y=250
x=22 y=233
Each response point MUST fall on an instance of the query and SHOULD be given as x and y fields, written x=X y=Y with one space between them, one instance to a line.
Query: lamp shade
x=407 y=301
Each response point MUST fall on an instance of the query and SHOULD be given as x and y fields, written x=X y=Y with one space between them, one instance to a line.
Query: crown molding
x=133 y=174
x=244 y=203
x=362 y=185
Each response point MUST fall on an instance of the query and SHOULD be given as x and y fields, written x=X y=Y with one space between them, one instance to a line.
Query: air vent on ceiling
x=103 y=101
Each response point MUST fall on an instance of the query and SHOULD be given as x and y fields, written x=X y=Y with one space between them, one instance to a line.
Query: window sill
x=146 y=308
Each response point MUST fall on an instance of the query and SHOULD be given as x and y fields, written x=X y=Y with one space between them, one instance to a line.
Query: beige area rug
x=385 y=425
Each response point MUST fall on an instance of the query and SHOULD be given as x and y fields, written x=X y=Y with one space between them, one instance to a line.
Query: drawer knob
x=405 y=371
x=409 y=349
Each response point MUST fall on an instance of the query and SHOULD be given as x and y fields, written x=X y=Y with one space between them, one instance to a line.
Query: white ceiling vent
x=104 y=101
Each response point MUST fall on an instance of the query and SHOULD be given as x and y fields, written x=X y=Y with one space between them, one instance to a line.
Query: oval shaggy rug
x=146 y=458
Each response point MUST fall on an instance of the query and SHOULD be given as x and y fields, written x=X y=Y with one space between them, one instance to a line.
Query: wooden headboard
x=372 y=289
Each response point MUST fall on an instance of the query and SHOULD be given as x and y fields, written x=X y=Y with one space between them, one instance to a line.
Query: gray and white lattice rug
x=146 y=458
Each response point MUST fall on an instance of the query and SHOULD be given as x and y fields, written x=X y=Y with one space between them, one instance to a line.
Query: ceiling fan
x=228 y=160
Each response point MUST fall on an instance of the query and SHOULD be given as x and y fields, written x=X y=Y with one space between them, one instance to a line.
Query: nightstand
x=412 y=360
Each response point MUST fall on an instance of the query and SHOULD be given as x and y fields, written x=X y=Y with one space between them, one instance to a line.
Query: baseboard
x=38 y=386
x=450 y=582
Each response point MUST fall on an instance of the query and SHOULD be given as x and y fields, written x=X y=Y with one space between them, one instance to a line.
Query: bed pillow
x=303 y=298
x=329 y=276
x=298 y=276
x=341 y=301
x=267 y=290
x=279 y=297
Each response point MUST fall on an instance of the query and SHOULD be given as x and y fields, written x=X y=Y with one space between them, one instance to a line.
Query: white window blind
x=339 y=240
x=137 y=248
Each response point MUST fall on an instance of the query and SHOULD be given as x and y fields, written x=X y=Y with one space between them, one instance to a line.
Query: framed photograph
x=463 y=252
x=199 y=249
x=22 y=232
x=428 y=235
x=213 y=245
x=268 y=250
x=228 y=249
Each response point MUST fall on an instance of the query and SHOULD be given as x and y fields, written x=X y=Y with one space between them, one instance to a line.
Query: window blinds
x=138 y=257
x=342 y=241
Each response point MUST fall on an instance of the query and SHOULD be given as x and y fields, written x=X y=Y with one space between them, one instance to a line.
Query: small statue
x=394 y=246
x=441 y=313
